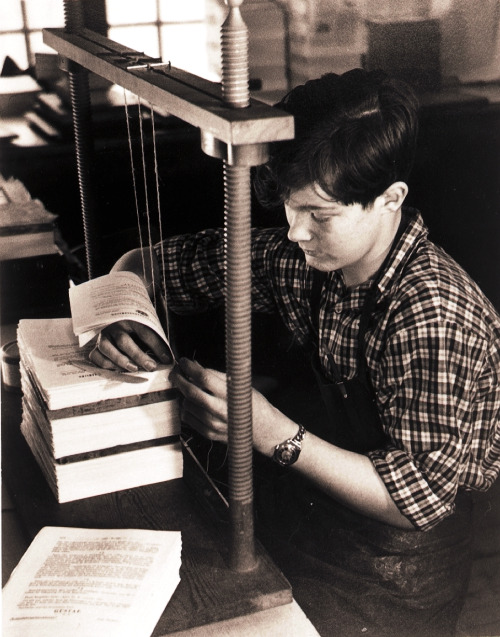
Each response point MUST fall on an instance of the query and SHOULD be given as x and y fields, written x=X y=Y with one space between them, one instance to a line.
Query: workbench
x=211 y=598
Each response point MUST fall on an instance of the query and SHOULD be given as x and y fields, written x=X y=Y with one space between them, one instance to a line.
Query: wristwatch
x=287 y=452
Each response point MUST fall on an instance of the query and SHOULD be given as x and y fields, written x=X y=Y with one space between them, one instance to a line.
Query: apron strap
x=318 y=280
x=369 y=305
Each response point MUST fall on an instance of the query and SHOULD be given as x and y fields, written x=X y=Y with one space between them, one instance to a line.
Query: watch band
x=299 y=436
x=288 y=451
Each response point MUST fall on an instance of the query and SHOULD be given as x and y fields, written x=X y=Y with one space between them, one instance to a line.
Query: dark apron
x=351 y=574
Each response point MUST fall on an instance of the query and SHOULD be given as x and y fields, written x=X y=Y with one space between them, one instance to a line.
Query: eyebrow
x=309 y=208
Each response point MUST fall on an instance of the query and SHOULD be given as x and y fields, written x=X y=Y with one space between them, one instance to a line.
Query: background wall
x=456 y=180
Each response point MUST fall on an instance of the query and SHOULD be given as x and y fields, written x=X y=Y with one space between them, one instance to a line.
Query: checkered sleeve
x=192 y=270
x=439 y=404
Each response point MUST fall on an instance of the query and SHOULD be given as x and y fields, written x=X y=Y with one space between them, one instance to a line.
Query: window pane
x=186 y=11
x=13 y=46
x=120 y=12
x=38 y=45
x=142 y=39
x=48 y=13
x=10 y=15
x=185 y=46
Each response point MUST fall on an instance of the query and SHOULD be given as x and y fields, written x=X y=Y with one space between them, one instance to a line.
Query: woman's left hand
x=204 y=407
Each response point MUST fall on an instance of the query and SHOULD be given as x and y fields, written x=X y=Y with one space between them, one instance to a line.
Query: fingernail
x=131 y=367
x=150 y=366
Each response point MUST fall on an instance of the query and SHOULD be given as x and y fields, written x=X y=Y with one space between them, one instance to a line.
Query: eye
x=320 y=218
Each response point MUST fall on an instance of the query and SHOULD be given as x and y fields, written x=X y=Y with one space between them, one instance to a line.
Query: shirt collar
x=415 y=230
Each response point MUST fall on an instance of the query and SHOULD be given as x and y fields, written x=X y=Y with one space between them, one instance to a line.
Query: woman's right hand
x=129 y=346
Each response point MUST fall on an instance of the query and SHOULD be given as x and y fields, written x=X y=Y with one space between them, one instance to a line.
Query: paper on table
x=92 y=582
x=116 y=296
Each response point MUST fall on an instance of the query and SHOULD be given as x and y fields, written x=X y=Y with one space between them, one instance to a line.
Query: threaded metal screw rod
x=234 y=50
x=82 y=126
x=237 y=209
x=239 y=364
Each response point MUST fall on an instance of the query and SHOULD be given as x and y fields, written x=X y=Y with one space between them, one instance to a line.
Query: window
x=182 y=32
x=21 y=24
x=172 y=30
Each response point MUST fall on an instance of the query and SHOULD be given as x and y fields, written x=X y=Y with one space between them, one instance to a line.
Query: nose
x=299 y=230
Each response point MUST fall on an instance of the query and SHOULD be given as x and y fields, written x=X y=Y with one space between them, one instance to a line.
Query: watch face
x=287 y=453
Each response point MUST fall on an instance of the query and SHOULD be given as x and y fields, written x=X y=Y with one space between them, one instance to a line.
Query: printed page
x=91 y=582
x=50 y=349
x=116 y=296
x=60 y=369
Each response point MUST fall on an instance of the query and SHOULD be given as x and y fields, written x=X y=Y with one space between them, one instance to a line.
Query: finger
x=98 y=359
x=215 y=405
x=118 y=344
x=106 y=353
x=154 y=343
x=212 y=381
x=108 y=350
x=204 y=422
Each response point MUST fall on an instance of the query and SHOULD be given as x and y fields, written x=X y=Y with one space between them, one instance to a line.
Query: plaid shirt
x=432 y=349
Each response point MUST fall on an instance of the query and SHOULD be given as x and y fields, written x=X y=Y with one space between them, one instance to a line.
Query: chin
x=320 y=265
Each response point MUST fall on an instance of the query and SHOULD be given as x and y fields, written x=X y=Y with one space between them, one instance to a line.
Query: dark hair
x=355 y=135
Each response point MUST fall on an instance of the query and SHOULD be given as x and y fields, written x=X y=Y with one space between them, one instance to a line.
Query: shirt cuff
x=409 y=488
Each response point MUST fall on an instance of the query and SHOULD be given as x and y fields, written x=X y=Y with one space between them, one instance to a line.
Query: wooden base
x=209 y=591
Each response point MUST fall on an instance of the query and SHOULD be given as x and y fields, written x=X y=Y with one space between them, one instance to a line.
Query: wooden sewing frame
x=240 y=137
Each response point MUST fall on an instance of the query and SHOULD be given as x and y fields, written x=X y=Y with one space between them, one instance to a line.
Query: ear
x=392 y=198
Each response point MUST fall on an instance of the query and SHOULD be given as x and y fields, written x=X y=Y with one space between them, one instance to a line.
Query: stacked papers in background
x=94 y=431
x=27 y=229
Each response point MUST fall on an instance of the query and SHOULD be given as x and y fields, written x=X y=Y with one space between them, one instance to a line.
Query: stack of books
x=94 y=431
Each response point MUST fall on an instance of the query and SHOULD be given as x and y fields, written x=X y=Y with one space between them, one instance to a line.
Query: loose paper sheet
x=91 y=582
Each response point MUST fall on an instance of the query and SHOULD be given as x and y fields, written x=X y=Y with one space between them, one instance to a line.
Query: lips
x=309 y=253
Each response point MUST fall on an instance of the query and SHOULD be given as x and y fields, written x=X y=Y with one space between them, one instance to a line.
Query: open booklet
x=116 y=296
x=91 y=583
x=54 y=352
x=59 y=370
